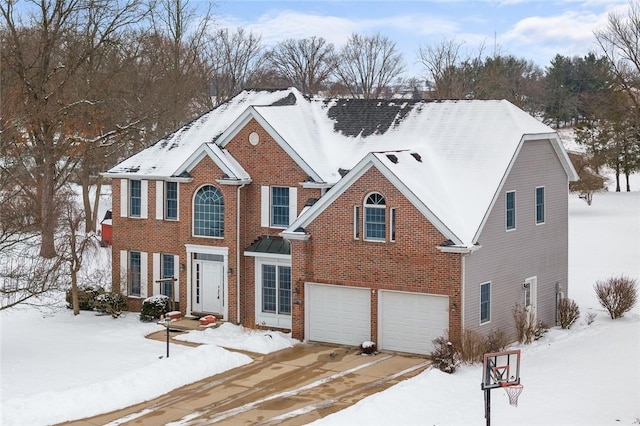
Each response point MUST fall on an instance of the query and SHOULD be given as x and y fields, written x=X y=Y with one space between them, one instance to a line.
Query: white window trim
x=193 y=223
x=515 y=212
x=196 y=248
x=365 y=206
x=144 y=199
x=544 y=205
x=164 y=200
x=265 y=318
x=356 y=222
x=124 y=271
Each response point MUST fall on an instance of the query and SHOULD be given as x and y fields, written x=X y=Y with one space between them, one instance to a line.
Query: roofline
x=145 y=177
x=370 y=160
x=459 y=249
x=205 y=150
x=267 y=255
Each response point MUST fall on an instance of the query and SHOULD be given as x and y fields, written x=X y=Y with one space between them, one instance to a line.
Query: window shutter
x=176 y=283
x=293 y=204
x=356 y=222
x=156 y=273
x=144 y=278
x=124 y=197
x=159 y=200
x=144 y=202
x=124 y=271
x=265 y=204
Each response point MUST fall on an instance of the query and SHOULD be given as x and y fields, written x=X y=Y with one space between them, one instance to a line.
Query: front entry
x=207 y=280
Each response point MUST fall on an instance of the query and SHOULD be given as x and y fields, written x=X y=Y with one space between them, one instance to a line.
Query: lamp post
x=167 y=321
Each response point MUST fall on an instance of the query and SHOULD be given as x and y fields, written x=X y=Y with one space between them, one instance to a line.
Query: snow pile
x=237 y=337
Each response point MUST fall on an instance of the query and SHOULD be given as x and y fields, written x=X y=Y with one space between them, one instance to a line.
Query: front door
x=531 y=296
x=207 y=286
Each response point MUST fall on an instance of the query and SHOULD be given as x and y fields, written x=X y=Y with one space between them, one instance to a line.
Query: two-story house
x=348 y=220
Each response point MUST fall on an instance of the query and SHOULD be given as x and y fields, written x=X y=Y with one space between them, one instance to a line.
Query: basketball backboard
x=500 y=369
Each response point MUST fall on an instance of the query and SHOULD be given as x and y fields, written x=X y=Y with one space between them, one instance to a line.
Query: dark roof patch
x=392 y=158
x=290 y=99
x=365 y=117
x=417 y=157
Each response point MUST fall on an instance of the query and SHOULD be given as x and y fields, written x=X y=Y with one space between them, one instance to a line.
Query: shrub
x=591 y=317
x=444 y=356
x=618 y=295
x=527 y=328
x=111 y=303
x=474 y=345
x=568 y=312
x=86 y=297
x=496 y=341
x=368 y=348
x=154 y=307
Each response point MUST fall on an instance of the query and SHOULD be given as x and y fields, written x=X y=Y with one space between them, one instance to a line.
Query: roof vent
x=392 y=158
x=416 y=156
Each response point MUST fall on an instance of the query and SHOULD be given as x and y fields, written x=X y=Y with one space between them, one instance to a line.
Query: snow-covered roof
x=162 y=159
x=449 y=157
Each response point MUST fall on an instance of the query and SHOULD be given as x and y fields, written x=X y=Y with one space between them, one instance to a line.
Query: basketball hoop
x=513 y=390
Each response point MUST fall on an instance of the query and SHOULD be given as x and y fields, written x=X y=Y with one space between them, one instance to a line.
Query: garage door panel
x=337 y=314
x=409 y=322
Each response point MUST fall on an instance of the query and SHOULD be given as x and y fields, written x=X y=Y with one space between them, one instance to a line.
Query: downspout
x=238 y=253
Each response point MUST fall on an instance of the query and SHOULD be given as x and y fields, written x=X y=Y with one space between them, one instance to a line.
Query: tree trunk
x=627 y=179
x=617 y=177
x=96 y=203
x=48 y=212
x=74 y=287
x=90 y=220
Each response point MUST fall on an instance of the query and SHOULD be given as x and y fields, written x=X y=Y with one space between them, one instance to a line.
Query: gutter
x=238 y=252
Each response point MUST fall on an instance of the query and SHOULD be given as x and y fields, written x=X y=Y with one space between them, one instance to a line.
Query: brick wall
x=411 y=263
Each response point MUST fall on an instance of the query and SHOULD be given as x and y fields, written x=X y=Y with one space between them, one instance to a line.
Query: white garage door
x=337 y=314
x=408 y=322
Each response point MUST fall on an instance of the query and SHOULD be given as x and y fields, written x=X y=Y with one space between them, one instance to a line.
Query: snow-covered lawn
x=55 y=367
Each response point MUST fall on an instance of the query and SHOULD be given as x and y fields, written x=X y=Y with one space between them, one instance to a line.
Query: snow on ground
x=57 y=367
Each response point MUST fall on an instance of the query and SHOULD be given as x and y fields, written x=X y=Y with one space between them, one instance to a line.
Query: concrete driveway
x=291 y=387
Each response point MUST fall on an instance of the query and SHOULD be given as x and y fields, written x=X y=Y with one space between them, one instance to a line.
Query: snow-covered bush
x=112 y=303
x=154 y=307
x=86 y=297
x=618 y=295
x=568 y=312
x=444 y=356
x=368 y=348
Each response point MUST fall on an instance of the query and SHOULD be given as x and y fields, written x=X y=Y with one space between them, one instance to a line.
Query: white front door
x=531 y=296
x=207 y=292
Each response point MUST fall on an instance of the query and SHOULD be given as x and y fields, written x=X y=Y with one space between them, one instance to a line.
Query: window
x=279 y=206
x=135 y=273
x=485 y=303
x=167 y=271
x=208 y=212
x=276 y=289
x=135 y=198
x=374 y=217
x=540 y=205
x=511 y=210
x=171 y=201
x=356 y=222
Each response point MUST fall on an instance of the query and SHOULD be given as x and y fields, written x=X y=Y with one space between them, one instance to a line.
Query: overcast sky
x=530 y=29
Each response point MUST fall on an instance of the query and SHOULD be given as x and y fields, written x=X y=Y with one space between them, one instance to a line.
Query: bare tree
x=367 y=65
x=305 y=63
x=444 y=64
x=42 y=58
x=620 y=42
x=236 y=58
x=74 y=247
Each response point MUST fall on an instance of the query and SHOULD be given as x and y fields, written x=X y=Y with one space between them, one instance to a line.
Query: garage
x=337 y=314
x=408 y=322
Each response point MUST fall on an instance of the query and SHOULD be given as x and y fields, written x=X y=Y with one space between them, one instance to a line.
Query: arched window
x=374 y=217
x=208 y=212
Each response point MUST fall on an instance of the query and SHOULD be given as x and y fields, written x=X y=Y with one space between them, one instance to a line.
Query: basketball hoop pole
x=487 y=406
